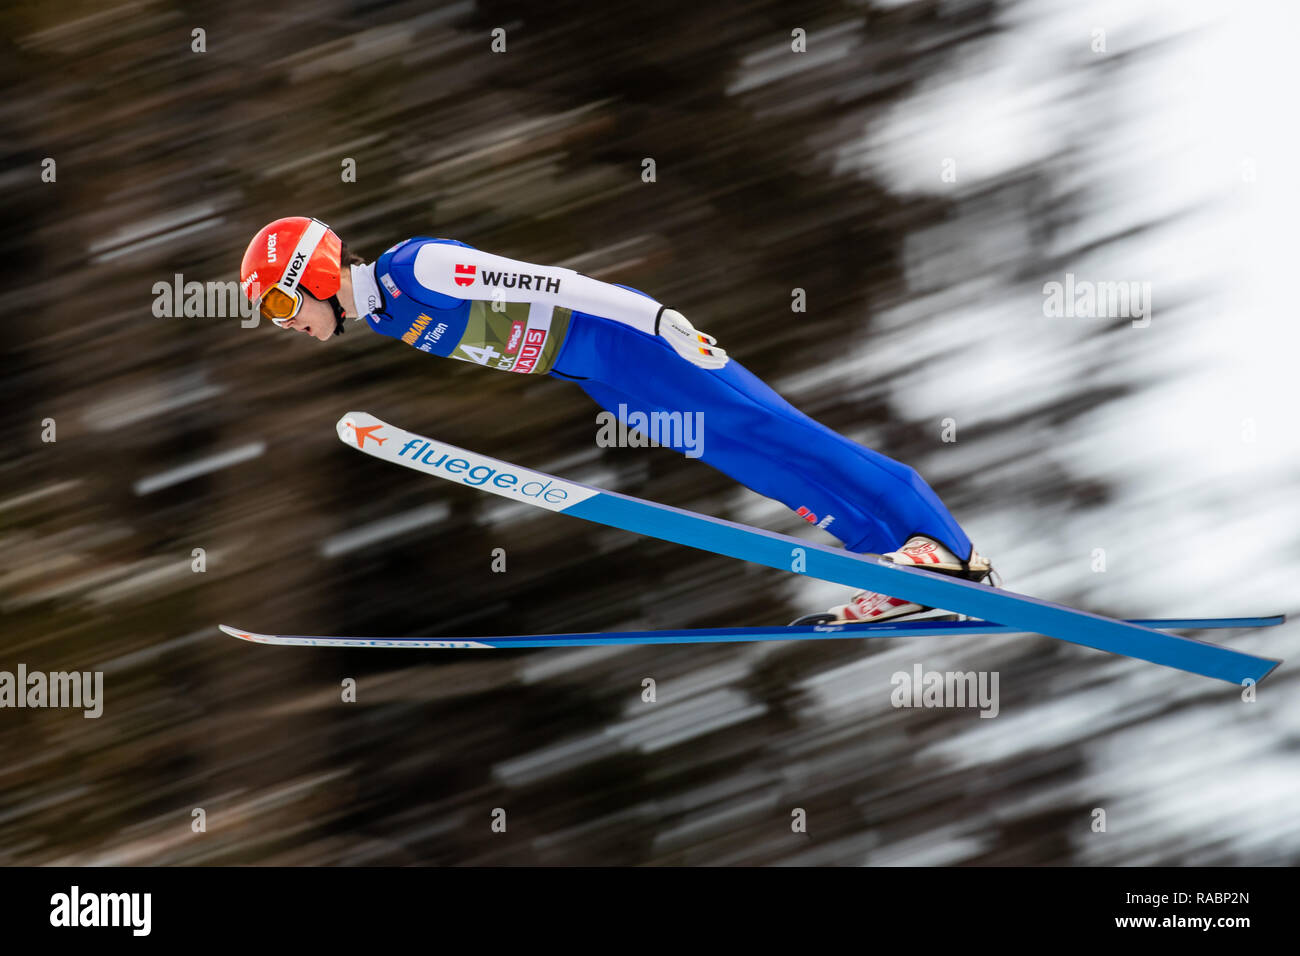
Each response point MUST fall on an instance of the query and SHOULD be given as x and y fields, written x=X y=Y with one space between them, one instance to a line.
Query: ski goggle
x=279 y=305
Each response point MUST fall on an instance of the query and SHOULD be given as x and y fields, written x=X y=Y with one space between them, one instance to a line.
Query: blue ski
x=1017 y=611
x=714 y=635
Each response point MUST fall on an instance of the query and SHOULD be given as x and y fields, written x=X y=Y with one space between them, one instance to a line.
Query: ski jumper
x=446 y=298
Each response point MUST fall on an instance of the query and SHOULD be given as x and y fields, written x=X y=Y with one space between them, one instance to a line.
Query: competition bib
x=522 y=337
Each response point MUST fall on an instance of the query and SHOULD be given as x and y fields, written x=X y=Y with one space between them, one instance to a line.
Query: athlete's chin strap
x=337 y=306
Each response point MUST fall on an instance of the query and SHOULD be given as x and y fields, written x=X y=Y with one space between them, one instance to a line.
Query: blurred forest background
x=1161 y=156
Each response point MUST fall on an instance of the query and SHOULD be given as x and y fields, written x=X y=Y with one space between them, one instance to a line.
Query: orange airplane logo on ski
x=364 y=432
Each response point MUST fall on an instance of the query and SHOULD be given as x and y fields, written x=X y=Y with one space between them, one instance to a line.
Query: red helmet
x=288 y=254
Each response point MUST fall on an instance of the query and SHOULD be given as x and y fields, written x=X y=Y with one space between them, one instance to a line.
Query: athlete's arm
x=471 y=273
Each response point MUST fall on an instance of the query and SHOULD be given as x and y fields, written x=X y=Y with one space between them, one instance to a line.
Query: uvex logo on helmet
x=270 y=247
x=292 y=273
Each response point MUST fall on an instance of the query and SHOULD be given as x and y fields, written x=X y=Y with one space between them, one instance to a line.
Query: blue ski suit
x=447 y=298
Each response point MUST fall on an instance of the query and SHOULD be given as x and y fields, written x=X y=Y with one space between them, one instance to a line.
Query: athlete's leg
x=758 y=438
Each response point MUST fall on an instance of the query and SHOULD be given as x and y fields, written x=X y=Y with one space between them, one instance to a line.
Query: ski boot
x=918 y=552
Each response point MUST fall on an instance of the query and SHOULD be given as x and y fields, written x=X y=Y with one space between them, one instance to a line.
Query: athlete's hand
x=695 y=346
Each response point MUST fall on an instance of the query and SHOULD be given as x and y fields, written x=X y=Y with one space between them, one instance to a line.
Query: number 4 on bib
x=480 y=353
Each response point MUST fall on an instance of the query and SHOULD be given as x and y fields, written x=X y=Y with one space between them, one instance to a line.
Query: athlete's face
x=316 y=318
